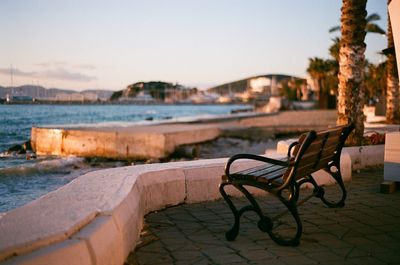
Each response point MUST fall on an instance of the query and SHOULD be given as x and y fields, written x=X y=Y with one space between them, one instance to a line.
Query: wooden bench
x=283 y=178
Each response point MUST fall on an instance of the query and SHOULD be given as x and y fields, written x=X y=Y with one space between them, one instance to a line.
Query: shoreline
x=120 y=103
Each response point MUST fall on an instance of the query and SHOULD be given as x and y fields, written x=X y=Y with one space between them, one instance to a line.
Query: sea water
x=22 y=180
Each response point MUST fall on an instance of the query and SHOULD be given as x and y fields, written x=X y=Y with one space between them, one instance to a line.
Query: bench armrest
x=284 y=163
x=290 y=148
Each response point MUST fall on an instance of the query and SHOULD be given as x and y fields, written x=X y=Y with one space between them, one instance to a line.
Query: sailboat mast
x=12 y=80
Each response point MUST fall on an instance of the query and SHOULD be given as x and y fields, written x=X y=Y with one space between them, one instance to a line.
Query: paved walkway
x=366 y=231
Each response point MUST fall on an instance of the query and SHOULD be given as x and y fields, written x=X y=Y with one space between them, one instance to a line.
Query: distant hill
x=240 y=86
x=41 y=92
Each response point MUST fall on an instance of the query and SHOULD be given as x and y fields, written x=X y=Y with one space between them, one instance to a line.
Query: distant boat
x=227 y=98
x=141 y=97
x=19 y=99
x=204 y=98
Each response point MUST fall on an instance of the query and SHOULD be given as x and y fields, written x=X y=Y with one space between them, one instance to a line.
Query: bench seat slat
x=333 y=137
x=269 y=170
x=316 y=156
x=307 y=169
x=316 y=146
x=264 y=173
x=332 y=131
x=249 y=171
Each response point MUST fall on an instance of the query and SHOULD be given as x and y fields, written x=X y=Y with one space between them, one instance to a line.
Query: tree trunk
x=351 y=63
x=392 y=87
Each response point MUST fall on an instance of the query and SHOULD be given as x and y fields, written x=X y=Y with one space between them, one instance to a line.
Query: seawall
x=154 y=141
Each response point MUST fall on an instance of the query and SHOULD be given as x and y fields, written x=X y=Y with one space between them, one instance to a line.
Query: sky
x=99 y=44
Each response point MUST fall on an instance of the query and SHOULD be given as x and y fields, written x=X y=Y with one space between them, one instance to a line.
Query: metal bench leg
x=264 y=224
x=291 y=205
x=318 y=190
x=338 y=178
x=233 y=232
x=294 y=241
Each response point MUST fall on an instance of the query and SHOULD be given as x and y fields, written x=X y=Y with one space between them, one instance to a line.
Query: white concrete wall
x=97 y=218
x=121 y=143
x=366 y=156
x=100 y=214
x=394 y=13
x=391 y=169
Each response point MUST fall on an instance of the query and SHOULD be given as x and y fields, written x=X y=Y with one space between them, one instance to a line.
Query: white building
x=90 y=97
x=76 y=97
x=259 y=84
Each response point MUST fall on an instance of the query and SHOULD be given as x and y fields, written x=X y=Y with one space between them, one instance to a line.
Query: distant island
x=154 y=92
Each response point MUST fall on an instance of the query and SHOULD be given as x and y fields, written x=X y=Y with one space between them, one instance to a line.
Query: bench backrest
x=317 y=150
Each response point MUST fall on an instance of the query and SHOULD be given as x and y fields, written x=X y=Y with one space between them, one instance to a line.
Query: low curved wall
x=100 y=214
x=97 y=218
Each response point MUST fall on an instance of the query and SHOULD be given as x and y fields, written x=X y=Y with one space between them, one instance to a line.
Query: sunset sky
x=82 y=44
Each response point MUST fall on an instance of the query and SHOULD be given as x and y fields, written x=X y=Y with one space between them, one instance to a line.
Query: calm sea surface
x=22 y=180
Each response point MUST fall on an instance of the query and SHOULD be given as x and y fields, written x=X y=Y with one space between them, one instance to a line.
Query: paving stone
x=307 y=246
x=382 y=238
x=298 y=260
x=268 y=261
x=389 y=228
x=257 y=254
x=245 y=244
x=392 y=246
x=188 y=256
x=226 y=259
x=336 y=263
x=360 y=241
x=364 y=230
x=356 y=253
x=152 y=248
x=324 y=256
x=337 y=230
x=366 y=261
x=151 y=258
x=388 y=257
x=341 y=251
x=203 y=261
x=395 y=234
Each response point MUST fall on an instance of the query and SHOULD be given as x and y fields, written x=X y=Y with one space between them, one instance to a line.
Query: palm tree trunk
x=392 y=88
x=351 y=63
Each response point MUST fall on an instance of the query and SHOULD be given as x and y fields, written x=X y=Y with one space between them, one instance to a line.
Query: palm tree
x=317 y=69
x=351 y=63
x=370 y=27
x=375 y=80
x=392 y=79
x=334 y=49
x=324 y=74
x=370 y=69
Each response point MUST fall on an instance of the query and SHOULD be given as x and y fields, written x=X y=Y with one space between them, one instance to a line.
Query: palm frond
x=333 y=29
x=374 y=28
x=372 y=17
